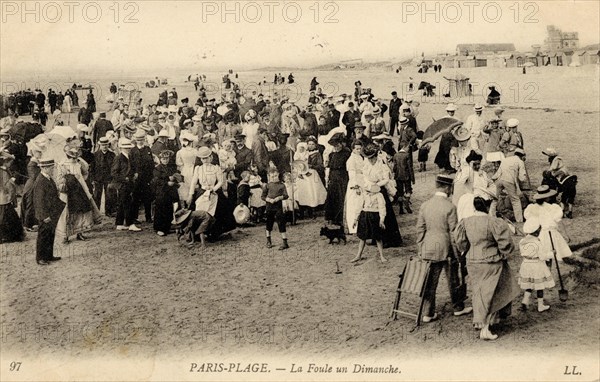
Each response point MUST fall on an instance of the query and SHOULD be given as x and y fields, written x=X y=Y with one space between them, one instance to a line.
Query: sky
x=131 y=36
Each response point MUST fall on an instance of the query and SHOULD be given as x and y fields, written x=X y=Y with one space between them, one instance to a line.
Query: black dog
x=332 y=234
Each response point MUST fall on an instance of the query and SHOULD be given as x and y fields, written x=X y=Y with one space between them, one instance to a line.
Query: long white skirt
x=184 y=188
x=353 y=207
x=311 y=192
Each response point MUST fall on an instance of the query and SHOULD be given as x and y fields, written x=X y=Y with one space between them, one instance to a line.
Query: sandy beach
x=138 y=295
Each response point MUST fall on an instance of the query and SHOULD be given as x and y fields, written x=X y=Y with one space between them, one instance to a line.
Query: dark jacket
x=101 y=167
x=244 y=158
x=395 y=107
x=260 y=153
x=142 y=162
x=100 y=128
x=164 y=193
x=333 y=118
x=403 y=169
x=84 y=116
x=122 y=171
x=46 y=201
x=350 y=118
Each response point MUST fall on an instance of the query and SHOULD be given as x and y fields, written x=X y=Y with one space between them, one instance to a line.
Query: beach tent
x=458 y=86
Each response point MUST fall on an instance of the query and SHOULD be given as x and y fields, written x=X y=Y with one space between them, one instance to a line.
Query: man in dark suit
x=395 y=104
x=40 y=99
x=52 y=100
x=332 y=117
x=48 y=208
x=435 y=244
x=405 y=178
x=123 y=174
x=101 y=126
x=101 y=177
x=350 y=118
x=243 y=155
x=142 y=161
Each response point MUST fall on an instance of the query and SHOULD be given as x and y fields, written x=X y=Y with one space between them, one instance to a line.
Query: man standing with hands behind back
x=435 y=244
x=48 y=208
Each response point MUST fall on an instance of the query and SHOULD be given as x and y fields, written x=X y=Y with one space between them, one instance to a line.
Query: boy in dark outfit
x=273 y=194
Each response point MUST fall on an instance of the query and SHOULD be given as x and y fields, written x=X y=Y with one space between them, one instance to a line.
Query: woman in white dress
x=80 y=213
x=250 y=127
x=311 y=191
x=206 y=194
x=67 y=103
x=185 y=160
x=354 y=199
x=548 y=214
x=375 y=171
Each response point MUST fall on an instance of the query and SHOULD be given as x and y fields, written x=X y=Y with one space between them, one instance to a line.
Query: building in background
x=557 y=39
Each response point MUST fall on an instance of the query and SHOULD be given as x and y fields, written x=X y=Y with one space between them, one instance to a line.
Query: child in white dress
x=534 y=273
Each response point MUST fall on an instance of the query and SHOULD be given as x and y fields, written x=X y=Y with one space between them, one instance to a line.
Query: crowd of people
x=200 y=170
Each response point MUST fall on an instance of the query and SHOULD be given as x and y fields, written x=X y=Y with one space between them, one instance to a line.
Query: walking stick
x=563 y=294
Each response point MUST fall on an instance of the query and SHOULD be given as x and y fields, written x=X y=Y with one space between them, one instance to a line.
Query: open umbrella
x=56 y=145
x=439 y=127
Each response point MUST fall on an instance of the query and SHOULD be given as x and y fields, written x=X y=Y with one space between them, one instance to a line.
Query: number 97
x=15 y=366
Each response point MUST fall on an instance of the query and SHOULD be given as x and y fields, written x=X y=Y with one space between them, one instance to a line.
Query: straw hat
x=125 y=143
x=477 y=107
x=163 y=133
x=461 y=133
x=241 y=213
x=444 y=179
x=204 y=152
x=544 y=192
x=139 y=135
x=451 y=107
x=181 y=216
x=46 y=163
x=513 y=122
x=550 y=151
